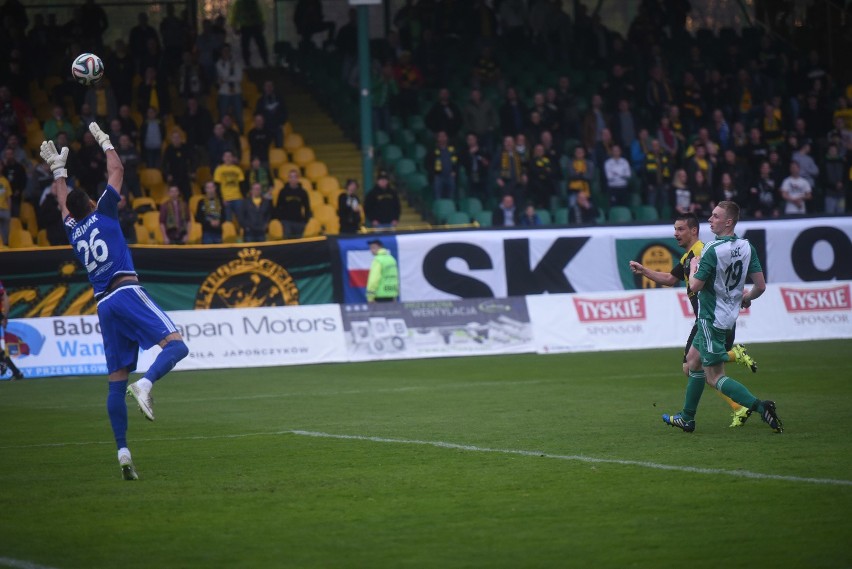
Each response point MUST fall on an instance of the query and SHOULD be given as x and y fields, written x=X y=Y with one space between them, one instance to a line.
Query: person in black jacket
x=382 y=204
x=255 y=215
x=293 y=207
x=209 y=213
x=444 y=115
x=506 y=214
x=349 y=208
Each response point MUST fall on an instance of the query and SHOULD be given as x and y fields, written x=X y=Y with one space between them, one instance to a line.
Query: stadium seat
x=142 y=235
x=316 y=199
x=483 y=218
x=195 y=231
x=313 y=228
x=28 y=218
x=20 y=238
x=293 y=142
x=329 y=187
x=151 y=221
x=143 y=204
x=560 y=216
x=150 y=177
x=647 y=213
x=390 y=154
x=403 y=167
x=544 y=216
x=458 y=218
x=442 y=208
x=285 y=169
x=324 y=213
x=472 y=206
x=275 y=230
x=203 y=175
x=307 y=184
x=620 y=214
x=229 y=232
x=316 y=170
x=277 y=157
x=380 y=139
x=304 y=156
x=42 y=240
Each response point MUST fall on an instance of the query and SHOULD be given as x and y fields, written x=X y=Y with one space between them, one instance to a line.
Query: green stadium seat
x=620 y=214
x=560 y=216
x=458 y=218
x=404 y=167
x=646 y=213
x=390 y=154
x=544 y=216
x=471 y=206
x=483 y=218
x=442 y=208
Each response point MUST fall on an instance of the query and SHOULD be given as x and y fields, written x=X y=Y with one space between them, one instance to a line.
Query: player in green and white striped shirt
x=719 y=276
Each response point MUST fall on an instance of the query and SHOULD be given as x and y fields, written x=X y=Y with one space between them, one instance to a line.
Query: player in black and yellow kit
x=686 y=235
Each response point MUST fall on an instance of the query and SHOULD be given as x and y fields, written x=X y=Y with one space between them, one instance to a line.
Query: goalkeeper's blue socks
x=117 y=410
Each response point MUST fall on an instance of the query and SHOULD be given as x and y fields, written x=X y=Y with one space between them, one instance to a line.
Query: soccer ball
x=87 y=69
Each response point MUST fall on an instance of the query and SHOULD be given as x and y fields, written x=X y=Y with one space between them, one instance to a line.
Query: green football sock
x=694 y=389
x=739 y=393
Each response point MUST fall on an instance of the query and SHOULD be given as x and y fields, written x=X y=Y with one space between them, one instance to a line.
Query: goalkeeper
x=5 y=361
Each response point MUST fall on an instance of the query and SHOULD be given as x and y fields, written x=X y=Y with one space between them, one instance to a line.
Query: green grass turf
x=224 y=483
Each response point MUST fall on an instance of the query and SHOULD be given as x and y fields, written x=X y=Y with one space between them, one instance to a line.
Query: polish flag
x=358 y=264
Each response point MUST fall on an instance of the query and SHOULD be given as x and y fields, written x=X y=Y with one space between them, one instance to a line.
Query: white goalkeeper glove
x=100 y=136
x=56 y=160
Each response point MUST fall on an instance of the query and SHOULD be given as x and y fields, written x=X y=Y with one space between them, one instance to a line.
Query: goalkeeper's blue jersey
x=99 y=244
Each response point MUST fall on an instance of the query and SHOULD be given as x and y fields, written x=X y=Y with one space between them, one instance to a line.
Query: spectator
x=229 y=177
x=247 y=19
x=530 y=218
x=152 y=135
x=580 y=173
x=5 y=206
x=542 y=178
x=480 y=118
x=127 y=218
x=617 y=172
x=795 y=190
x=508 y=168
x=293 y=207
x=101 y=100
x=191 y=81
x=58 y=122
x=128 y=123
x=256 y=213
x=486 y=71
x=130 y=160
x=595 y=123
x=702 y=195
x=173 y=32
x=444 y=115
x=274 y=112
x=210 y=213
x=14 y=114
x=92 y=165
x=229 y=77
x=506 y=214
x=443 y=166
x=639 y=149
x=178 y=167
x=513 y=114
x=584 y=211
x=217 y=145
x=385 y=91
x=475 y=162
x=807 y=167
x=430 y=57
x=383 y=279
x=208 y=44
x=140 y=35
x=658 y=92
x=197 y=124
x=668 y=140
x=258 y=173
x=232 y=135
x=624 y=125
x=740 y=176
x=309 y=19
x=259 y=140
x=567 y=102
x=382 y=205
x=763 y=198
x=122 y=70
x=681 y=194
x=174 y=218
x=727 y=190
x=153 y=92
x=49 y=217
x=618 y=87
x=700 y=161
x=836 y=175
x=657 y=175
x=16 y=174
x=349 y=208
x=409 y=79
x=346 y=44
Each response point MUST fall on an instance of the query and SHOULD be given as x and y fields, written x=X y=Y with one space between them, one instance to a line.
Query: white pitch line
x=473 y=448
x=19 y=564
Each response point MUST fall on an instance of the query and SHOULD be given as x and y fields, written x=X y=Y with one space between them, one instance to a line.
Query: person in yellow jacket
x=383 y=281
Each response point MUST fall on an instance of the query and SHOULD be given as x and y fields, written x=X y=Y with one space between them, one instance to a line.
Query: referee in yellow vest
x=383 y=281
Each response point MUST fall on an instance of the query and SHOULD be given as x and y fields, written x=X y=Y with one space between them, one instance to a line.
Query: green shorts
x=710 y=343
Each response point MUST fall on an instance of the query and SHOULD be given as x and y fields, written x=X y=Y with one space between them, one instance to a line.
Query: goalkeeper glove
x=56 y=160
x=100 y=136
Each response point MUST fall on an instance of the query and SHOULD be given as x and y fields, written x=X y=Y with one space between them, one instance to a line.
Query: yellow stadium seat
x=275 y=231
x=194 y=233
x=20 y=238
x=285 y=169
x=304 y=156
x=293 y=142
x=287 y=128
x=307 y=184
x=313 y=228
x=325 y=213
x=42 y=240
x=316 y=170
x=229 y=232
x=277 y=157
x=203 y=175
x=149 y=177
x=316 y=199
x=144 y=203
x=328 y=186
x=142 y=236
x=151 y=221
x=15 y=225
x=28 y=218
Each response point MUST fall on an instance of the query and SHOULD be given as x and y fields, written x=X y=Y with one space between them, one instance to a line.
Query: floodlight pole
x=366 y=100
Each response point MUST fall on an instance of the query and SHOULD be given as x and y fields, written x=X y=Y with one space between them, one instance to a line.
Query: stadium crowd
x=513 y=97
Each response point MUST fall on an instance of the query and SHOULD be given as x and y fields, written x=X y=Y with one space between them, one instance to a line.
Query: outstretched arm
x=665 y=279
x=115 y=169
x=56 y=161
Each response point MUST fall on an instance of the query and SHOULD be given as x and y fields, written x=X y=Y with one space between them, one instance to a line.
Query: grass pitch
x=510 y=461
